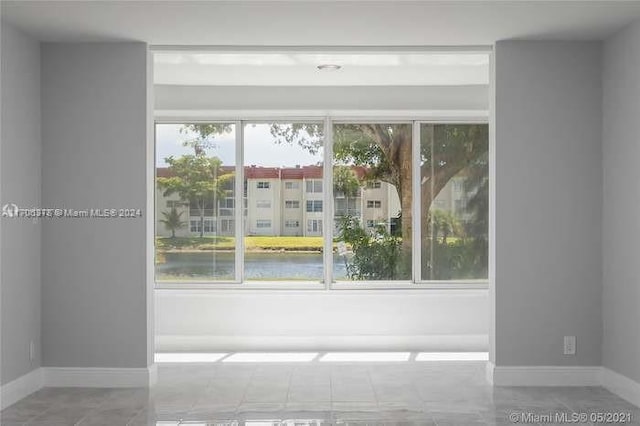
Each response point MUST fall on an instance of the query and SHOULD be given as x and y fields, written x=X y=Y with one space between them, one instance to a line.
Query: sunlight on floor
x=452 y=356
x=365 y=356
x=188 y=357
x=266 y=357
x=271 y=357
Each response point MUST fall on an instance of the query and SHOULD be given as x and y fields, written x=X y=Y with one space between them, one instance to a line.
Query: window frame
x=263 y=204
x=330 y=118
x=264 y=224
x=317 y=206
x=314 y=182
x=288 y=222
x=318 y=225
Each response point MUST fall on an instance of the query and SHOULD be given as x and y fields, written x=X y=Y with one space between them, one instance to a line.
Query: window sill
x=261 y=285
x=408 y=285
x=318 y=286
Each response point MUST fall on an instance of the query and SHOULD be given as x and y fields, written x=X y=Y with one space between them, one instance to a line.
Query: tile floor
x=424 y=393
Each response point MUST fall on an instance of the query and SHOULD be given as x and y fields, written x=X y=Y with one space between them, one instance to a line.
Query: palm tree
x=173 y=221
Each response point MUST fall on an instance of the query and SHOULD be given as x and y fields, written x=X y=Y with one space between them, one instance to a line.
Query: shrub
x=376 y=254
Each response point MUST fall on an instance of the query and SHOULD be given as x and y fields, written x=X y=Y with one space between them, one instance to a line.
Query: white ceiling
x=319 y=23
x=301 y=69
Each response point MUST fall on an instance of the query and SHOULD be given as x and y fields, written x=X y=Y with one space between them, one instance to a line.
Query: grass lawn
x=251 y=243
x=312 y=243
x=193 y=243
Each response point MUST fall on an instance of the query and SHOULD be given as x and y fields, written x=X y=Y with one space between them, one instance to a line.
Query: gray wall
x=305 y=97
x=94 y=126
x=621 y=232
x=20 y=155
x=548 y=202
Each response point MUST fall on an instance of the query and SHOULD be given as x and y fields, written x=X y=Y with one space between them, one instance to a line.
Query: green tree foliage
x=172 y=221
x=196 y=179
x=444 y=224
x=376 y=255
x=346 y=182
x=203 y=135
x=385 y=151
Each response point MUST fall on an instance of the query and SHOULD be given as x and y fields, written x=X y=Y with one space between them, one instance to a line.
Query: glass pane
x=283 y=198
x=195 y=231
x=454 y=190
x=372 y=201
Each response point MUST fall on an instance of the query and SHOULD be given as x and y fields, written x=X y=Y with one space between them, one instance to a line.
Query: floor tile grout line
x=286 y=402
x=331 y=392
x=246 y=388
x=373 y=389
x=486 y=404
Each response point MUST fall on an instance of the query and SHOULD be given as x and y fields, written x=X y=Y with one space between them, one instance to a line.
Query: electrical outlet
x=569 y=345
x=32 y=351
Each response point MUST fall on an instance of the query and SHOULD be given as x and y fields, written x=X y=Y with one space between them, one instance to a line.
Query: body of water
x=219 y=266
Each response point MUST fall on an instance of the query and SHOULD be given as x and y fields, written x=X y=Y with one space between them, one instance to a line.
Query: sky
x=259 y=149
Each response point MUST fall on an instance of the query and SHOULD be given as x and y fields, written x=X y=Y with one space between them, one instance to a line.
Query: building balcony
x=348 y=212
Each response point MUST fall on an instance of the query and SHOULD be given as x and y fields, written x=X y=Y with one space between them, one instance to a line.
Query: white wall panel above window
x=321 y=69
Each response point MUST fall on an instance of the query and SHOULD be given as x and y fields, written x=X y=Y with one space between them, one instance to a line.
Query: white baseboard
x=21 y=387
x=489 y=371
x=153 y=375
x=621 y=385
x=25 y=385
x=546 y=375
x=100 y=377
x=275 y=343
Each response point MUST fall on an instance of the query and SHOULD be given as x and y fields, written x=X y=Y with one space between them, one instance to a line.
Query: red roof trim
x=292 y=173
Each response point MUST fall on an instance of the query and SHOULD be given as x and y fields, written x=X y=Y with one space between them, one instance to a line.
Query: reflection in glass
x=454 y=194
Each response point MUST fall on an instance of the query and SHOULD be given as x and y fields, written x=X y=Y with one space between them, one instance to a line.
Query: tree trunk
x=395 y=144
x=406 y=201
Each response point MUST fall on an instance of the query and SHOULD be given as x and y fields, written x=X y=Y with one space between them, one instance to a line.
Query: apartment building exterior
x=288 y=201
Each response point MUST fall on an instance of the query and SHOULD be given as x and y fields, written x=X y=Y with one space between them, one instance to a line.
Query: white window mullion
x=239 y=201
x=327 y=211
x=416 y=206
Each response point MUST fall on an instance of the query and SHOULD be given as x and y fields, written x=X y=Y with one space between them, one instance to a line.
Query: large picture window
x=195 y=176
x=403 y=204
